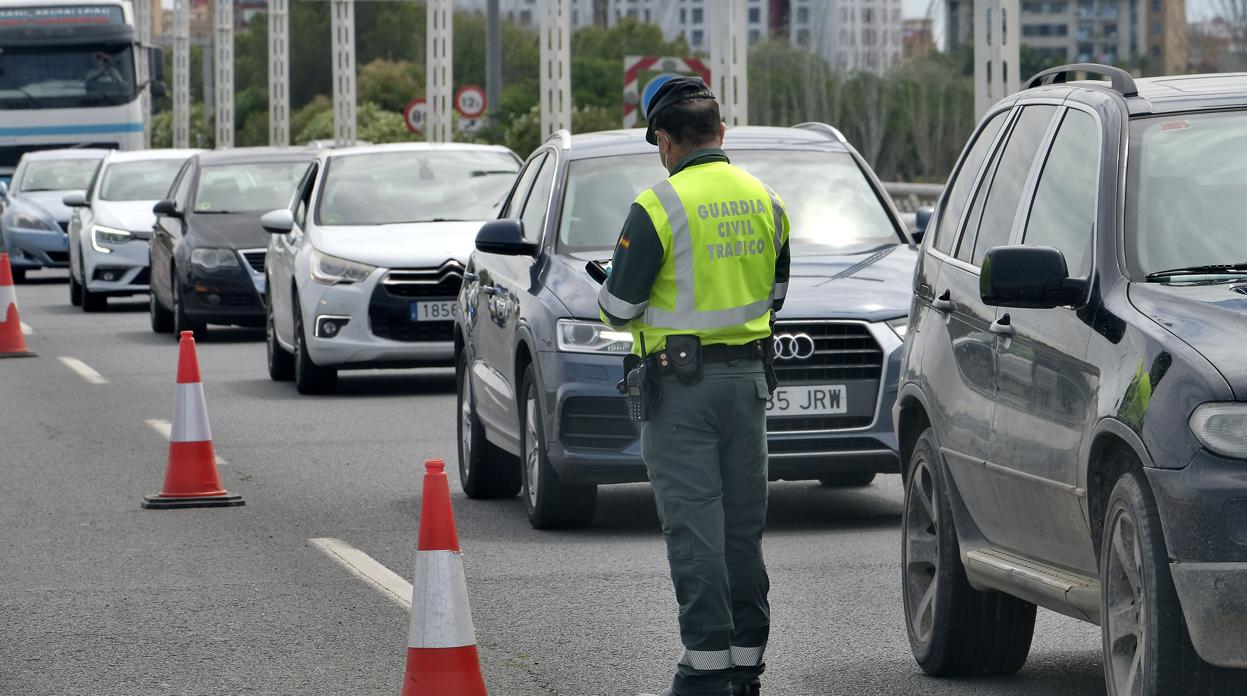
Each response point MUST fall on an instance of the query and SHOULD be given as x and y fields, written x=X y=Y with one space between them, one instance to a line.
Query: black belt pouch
x=684 y=351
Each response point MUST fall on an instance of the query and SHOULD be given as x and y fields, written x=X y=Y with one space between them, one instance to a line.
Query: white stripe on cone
x=8 y=296
x=440 y=616
x=190 y=415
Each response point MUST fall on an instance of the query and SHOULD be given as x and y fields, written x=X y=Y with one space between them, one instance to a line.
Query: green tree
x=390 y=84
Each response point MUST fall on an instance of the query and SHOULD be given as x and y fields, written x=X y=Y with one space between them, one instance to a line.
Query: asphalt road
x=98 y=596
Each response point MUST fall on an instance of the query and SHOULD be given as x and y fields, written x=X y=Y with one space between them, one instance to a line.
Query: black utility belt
x=674 y=358
x=683 y=357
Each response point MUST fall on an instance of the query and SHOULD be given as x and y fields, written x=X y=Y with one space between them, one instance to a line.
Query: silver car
x=35 y=221
x=112 y=221
x=364 y=267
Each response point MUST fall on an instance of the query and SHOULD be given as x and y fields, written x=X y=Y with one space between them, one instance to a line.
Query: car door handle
x=943 y=304
x=491 y=290
x=470 y=277
x=1002 y=327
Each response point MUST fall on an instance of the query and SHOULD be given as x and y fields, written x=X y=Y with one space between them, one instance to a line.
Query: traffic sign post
x=416 y=114
x=470 y=102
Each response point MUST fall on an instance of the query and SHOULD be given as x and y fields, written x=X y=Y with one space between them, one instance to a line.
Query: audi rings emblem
x=793 y=346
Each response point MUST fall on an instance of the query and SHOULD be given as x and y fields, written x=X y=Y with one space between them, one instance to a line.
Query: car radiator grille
x=255 y=259
x=441 y=282
x=842 y=351
x=597 y=423
x=389 y=311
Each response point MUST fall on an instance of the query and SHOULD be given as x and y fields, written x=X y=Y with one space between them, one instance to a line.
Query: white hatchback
x=364 y=267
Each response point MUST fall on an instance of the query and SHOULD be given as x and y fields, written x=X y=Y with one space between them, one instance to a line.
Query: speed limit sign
x=416 y=114
x=470 y=101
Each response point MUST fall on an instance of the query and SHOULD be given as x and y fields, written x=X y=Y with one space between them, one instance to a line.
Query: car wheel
x=1147 y=649
x=91 y=301
x=75 y=291
x=161 y=318
x=280 y=360
x=19 y=275
x=484 y=470
x=309 y=378
x=551 y=504
x=181 y=322
x=848 y=479
x=953 y=628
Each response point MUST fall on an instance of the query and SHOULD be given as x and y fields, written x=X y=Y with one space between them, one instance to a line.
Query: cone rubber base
x=157 y=502
x=27 y=354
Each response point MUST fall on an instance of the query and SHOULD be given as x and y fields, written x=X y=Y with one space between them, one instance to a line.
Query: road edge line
x=366 y=568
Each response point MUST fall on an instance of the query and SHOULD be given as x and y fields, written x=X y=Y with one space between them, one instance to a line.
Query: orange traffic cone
x=441 y=647
x=12 y=342
x=191 y=479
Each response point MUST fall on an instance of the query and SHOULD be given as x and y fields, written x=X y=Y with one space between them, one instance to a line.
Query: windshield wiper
x=488 y=172
x=1211 y=269
x=441 y=219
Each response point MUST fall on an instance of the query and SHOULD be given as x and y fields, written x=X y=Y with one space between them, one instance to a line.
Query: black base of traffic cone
x=27 y=354
x=156 y=502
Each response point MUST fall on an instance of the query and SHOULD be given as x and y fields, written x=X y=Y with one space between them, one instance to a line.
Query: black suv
x=1073 y=402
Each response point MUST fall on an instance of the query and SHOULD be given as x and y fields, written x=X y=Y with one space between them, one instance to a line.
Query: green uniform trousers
x=705 y=451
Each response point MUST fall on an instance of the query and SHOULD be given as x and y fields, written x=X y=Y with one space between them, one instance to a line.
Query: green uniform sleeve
x=634 y=265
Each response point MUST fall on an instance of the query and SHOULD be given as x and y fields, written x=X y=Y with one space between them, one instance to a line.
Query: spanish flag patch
x=623 y=241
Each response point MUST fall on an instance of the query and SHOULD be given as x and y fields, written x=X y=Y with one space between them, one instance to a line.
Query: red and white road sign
x=470 y=101
x=416 y=115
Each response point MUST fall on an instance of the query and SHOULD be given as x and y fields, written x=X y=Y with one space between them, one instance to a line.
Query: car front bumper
x=37 y=248
x=356 y=344
x=122 y=271
x=223 y=296
x=1203 y=511
x=592 y=441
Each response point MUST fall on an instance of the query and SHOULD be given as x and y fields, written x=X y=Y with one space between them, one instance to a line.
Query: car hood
x=1210 y=318
x=409 y=245
x=228 y=230
x=135 y=216
x=871 y=286
x=47 y=204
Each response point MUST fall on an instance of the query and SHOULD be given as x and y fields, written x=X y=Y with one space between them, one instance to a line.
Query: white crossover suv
x=365 y=265
x=112 y=222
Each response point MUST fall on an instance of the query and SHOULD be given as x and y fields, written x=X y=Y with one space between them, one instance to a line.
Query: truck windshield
x=66 y=76
x=1184 y=198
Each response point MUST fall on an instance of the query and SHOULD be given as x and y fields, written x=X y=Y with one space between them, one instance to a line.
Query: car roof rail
x=825 y=129
x=564 y=137
x=1120 y=80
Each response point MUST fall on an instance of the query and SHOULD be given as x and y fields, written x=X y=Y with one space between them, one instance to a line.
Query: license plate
x=433 y=311
x=808 y=400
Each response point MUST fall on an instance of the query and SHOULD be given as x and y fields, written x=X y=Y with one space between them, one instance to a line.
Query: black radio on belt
x=638 y=386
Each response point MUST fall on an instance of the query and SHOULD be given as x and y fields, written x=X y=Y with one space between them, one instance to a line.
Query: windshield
x=58 y=174
x=385 y=188
x=63 y=77
x=257 y=187
x=139 y=181
x=1185 y=203
x=830 y=204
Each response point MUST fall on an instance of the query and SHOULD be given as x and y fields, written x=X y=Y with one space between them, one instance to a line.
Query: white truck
x=69 y=77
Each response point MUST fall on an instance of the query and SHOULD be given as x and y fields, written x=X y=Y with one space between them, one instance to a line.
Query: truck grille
x=596 y=422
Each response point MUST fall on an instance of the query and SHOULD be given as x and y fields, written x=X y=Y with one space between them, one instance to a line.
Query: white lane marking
x=366 y=568
x=83 y=370
x=165 y=428
x=26 y=329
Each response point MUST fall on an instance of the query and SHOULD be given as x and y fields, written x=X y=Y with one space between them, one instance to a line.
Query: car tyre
x=280 y=360
x=309 y=378
x=75 y=291
x=551 y=504
x=161 y=318
x=1147 y=648
x=19 y=275
x=954 y=629
x=848 y=479
x=484 y=470
x=181 y=322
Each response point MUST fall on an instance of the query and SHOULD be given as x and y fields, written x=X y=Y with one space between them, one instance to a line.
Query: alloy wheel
x=465 y=426
x=921 y=550
x=1126 y=620
x=532 y=449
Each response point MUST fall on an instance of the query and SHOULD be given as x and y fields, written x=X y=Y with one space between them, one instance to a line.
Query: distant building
x=917 y=38
x=1147 y=33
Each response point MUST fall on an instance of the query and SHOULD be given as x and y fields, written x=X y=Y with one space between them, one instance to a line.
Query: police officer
x=701 y=264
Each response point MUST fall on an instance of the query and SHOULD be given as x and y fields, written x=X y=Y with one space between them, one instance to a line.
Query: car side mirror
x=505 y=237
x=279 y=221
x=77 y=199
x=922 y=218
x=1028 y=276
x=167 y=208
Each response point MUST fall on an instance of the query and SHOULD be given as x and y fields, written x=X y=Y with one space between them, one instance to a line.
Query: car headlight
x=1222 y=428
x=212 y=259
x=332 y=270
x=900 y=326
x=32 y=222
x=592 y=337
x=101 y=235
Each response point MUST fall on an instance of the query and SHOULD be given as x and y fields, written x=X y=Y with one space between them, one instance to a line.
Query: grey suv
x=537 y=368
x=1072 y=402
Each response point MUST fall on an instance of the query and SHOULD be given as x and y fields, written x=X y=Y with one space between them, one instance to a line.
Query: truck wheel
x=848 y=479
x=551 y=504
x=1147 y=649
x=484 y=470
x=953 y=629
x=309 y=378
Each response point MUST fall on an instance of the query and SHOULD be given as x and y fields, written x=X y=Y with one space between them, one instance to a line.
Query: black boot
x=753 y=689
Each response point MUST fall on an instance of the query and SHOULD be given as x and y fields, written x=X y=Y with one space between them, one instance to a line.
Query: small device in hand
x=598 y=271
